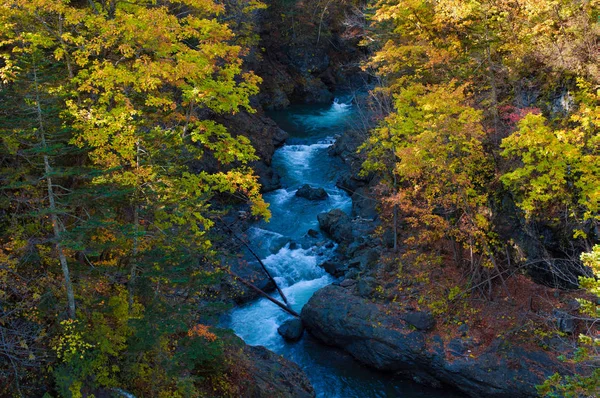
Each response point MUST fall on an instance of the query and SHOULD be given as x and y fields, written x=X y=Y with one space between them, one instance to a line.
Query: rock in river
x=310 y=193
x=291 y=330
x=337 y=224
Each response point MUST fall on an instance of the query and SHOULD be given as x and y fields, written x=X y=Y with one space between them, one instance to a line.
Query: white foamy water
x=297 y=161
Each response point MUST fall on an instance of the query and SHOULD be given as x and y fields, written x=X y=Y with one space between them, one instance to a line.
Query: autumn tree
x=120 y=95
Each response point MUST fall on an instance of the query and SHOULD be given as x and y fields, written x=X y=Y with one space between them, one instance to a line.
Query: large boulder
x=420 y=319
x=337 y=224
x=291 y=330
x=310 y=193
x=387 y=342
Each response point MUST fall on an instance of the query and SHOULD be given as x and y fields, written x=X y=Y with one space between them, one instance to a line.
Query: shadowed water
x=305 y=160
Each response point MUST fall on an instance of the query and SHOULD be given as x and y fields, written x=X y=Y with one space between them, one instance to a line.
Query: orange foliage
x=200 y=330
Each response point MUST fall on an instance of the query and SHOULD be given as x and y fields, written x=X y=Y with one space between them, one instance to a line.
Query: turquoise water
x=305 y=160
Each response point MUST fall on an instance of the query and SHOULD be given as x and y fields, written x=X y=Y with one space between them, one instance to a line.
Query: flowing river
x=293 y=257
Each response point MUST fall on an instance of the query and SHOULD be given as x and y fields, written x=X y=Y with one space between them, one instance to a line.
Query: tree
x=430 y=151
x=122 y=94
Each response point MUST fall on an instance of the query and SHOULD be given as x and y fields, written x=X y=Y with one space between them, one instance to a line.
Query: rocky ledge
x=274 y=376
x=392 y=343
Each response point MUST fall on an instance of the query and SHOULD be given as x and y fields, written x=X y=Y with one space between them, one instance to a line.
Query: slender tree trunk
x=321 y=21
x=136 y=243
x=52 y=199
x=395 y=226
x=281 y=305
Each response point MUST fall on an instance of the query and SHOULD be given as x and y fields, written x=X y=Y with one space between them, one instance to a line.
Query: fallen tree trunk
x=283 y=306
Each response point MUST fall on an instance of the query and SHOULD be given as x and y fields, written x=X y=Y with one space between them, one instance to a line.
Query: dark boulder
x=291 y=330
x=337 y=224
x=334 y=268
x=310 y=193
x=386 y=342
x=421 y=320
x=565 y=322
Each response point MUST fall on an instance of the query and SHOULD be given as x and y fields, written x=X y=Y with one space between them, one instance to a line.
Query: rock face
x=291 y=330
x=275 y=376
x=337 y=224
x=310 y=193
x=386 y=342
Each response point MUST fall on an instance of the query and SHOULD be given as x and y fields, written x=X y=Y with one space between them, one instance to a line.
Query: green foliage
x=560 y=168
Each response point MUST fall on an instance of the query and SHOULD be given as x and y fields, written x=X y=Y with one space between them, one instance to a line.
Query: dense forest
x=136 y=150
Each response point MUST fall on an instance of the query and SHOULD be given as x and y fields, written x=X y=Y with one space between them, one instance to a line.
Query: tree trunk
x=395 y=226
x=136 y=243
x=52 y=200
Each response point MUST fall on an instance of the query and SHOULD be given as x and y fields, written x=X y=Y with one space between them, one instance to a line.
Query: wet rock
x=337 y=224
x=383 y=341
x=271 y=375
x=276 y=244
x=291 y=330
x=334 y=268
x=310 y=193
x=313 y=233
x=280 y=137
x=346 y=147
x=267 y=177
x=351 y=274
x=421 y=320
x=293 y=245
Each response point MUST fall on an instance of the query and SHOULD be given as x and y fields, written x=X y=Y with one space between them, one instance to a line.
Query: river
x=305 y=160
